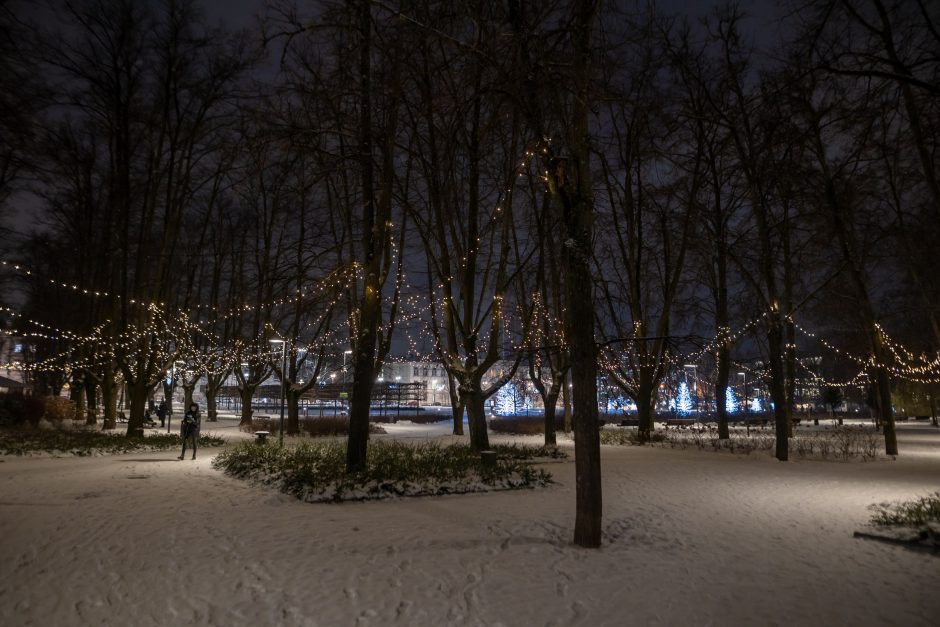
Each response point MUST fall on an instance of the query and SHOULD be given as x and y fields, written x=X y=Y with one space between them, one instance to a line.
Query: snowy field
x=691 y=538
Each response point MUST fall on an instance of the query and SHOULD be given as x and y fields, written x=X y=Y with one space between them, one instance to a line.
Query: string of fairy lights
x=215 y=358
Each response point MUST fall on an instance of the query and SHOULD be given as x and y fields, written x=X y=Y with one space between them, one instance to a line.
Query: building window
x=424 y=372
x=415 y=373
x=433 y=372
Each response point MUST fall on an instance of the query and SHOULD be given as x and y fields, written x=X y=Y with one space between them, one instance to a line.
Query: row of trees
x=569 y=185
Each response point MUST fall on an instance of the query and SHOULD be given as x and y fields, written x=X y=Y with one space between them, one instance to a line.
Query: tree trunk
x=91 y=400
x=361 y=401
x=577 y=252
x=887 y=414
x=778 y=393
x=213 y=385
x=168 y=396
x=109 y=393
x=137 y=394
x=246 y=393
x=551 y=398
x=212 y=414
x=644 y=411
x=77 y=395
x=293 y=412
x=458 y=410
x=476 y=419
x=721 y=387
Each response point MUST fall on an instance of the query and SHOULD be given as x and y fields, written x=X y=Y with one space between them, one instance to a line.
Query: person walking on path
x=190 y=428
x=161 y=412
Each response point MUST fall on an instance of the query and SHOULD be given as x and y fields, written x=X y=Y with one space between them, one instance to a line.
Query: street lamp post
x=283 y=344
x=335 y=393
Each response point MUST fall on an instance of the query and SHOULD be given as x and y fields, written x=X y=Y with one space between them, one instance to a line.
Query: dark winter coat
x=191 y=423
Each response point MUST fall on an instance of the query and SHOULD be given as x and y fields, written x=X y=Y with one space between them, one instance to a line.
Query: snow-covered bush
x=316 y=471
x=917 y=513
x=82 y=442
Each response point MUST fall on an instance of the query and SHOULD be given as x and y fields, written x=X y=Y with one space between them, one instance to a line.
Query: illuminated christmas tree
x=731 y=402
x=507 y=400
x=683 y=400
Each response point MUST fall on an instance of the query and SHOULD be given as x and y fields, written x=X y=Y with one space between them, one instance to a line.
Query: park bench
x=680 y=422
x=262 y=436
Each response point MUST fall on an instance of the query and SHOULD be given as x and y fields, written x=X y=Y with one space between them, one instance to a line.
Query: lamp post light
x=280 y=437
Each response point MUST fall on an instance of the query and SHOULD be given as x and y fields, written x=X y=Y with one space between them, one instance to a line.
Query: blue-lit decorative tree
x=507 y=400
x=683 y=400
x=731 y=401
x=756 y=406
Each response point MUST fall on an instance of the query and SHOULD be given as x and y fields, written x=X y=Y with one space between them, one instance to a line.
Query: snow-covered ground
x=691 y=538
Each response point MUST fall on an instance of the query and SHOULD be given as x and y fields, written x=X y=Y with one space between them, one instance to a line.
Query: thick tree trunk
x=91 y=401
x=213 y=385
x=778 y=393
x=293 y=412
x=476 y=420
x=212 y=413
x=887 y=414
x=137 y=394
x=246 y=393
x=721 y=387
x=109 y=394
x=644 y=411
x=458 y=411
x=168 y=396
x=360 y=404
x=77 y=395
x=578 y=218
x=551 y=398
